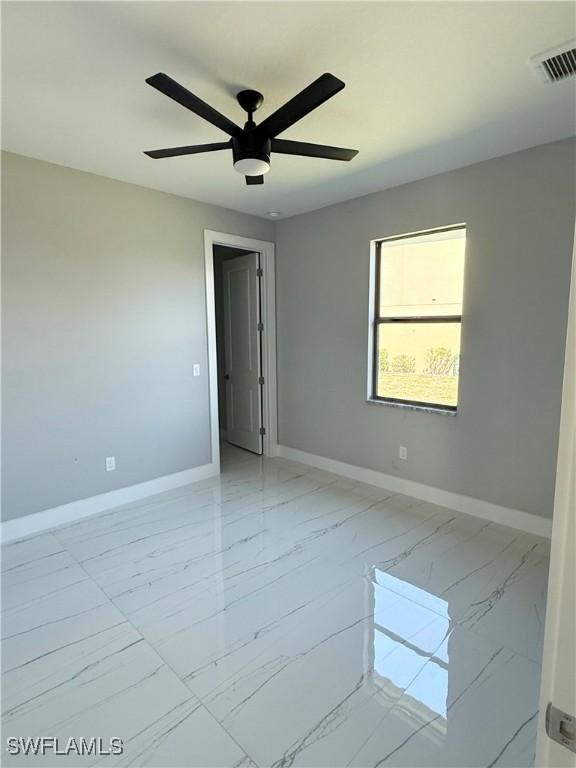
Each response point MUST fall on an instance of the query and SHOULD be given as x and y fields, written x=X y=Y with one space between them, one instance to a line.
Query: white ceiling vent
x=558 y=63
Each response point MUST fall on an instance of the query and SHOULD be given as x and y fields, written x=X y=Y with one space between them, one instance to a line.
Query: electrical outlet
x=403 y=453
x=110 y=463
x=196 y=369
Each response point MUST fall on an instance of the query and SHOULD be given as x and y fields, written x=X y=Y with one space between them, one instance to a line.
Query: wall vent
x=557 y=64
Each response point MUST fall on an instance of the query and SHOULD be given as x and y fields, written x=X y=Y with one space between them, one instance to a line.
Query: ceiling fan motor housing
x=250 y=146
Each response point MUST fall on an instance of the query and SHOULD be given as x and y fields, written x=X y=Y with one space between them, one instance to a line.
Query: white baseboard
x=513 y=518
x=76 y=510
x=21 y=527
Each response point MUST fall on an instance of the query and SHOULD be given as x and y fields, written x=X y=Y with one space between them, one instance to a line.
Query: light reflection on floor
x=279 y=616
x=410 y=645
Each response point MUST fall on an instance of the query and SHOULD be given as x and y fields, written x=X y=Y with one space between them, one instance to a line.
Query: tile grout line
x=55 y=534
x=154 y=650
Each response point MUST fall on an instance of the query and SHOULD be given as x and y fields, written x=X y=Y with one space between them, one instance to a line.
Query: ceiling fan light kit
x=252 y=166
x=252 y=145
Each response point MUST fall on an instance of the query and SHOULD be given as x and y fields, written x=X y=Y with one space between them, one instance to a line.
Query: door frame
x=559 y=633
x=266 y=250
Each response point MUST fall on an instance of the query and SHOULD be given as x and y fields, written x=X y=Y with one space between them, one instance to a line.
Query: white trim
x=76 y=510
x=270 y=404
x=371 y=324
x=267 y=263
x=513 y=518
x=212 y=357
x=558 y=665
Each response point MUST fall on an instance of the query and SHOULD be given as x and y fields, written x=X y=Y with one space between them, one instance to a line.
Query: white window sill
x=409 y=407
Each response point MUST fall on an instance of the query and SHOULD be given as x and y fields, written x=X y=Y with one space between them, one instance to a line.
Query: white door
x=559 y=663
x=242 y=352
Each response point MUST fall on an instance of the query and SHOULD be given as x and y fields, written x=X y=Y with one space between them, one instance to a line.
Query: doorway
x=237 y=298
x=242 y=343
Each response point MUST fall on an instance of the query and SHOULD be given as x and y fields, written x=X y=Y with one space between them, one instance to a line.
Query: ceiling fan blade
x=304 y=102
x=312 y=150
x=196 y=149
x=175 y=91
x=254 y=180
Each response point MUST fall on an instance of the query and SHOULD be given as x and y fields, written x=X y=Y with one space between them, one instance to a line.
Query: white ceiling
x=430 y=86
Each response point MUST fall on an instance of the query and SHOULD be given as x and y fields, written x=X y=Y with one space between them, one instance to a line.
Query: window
x=418 y=285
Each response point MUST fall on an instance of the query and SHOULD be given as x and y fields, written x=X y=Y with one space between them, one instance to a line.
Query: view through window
x=417 y=319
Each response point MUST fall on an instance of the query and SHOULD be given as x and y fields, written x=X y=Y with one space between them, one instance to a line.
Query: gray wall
x=501 y=446
x=103 y=317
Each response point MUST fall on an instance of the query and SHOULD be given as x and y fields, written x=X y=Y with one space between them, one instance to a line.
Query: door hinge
x=260 y=379
x=262 y=430
x=260 y=327
x=259 y=272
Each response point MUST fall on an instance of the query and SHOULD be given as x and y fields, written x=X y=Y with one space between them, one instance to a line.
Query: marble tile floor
x=276 y=615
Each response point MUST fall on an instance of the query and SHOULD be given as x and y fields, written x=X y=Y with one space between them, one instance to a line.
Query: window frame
x=376 y=320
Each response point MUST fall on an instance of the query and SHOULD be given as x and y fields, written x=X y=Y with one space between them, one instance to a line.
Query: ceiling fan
x=252 y=145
